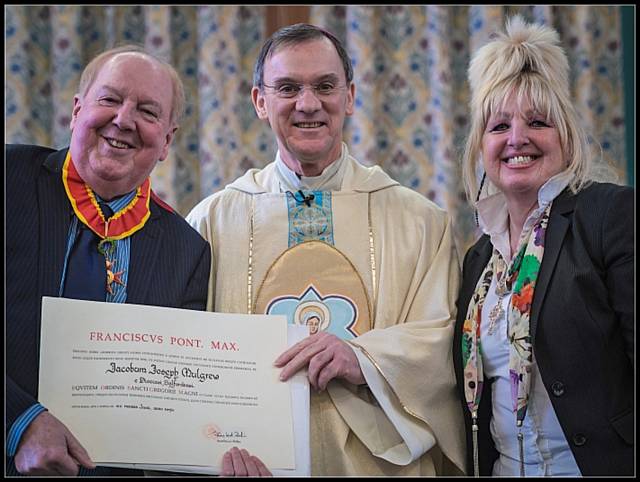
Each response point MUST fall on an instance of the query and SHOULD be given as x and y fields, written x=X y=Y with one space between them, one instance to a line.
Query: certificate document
x=169 y=389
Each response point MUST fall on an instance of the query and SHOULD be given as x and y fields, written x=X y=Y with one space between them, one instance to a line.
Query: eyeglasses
x=291 y=90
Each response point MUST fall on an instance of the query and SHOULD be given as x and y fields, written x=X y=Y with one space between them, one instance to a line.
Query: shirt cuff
x=19 y=426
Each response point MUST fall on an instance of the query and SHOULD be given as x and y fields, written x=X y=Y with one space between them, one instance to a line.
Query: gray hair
x=293 y=35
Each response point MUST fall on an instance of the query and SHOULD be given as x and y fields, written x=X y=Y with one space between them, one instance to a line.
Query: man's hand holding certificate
x=169 y=389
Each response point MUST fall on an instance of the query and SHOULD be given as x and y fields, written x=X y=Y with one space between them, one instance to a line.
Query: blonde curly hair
x=527 y=61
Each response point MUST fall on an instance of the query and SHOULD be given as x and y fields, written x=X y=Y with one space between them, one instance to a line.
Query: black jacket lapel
x=559 y=222
x=55 y=218
x=475 y=263
x=145 y=251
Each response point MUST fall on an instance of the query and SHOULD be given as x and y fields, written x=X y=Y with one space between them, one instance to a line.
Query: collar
x=493 y=216
x=355 y=177
x=119 y=203
x=130 y=218
x=329 y=180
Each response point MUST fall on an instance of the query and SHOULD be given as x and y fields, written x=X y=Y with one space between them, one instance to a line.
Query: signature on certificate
x=212 y=431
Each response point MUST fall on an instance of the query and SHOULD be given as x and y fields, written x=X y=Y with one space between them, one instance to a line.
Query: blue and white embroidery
x=333 y=313
x=311 y=219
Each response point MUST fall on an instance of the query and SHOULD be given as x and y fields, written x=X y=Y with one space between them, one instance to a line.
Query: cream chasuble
x=373 y=263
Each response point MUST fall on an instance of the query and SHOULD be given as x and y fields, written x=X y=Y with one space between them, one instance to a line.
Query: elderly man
x=316 y=234
x=84 y=223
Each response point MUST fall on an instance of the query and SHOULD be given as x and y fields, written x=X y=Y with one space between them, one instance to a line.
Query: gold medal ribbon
x=122 y=224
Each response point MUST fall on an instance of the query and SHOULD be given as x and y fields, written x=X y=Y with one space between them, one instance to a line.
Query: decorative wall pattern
x=410 y=72
x=411 y=93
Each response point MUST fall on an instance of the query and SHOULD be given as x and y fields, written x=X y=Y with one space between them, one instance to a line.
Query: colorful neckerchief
x=521 y=278
x=122 y=224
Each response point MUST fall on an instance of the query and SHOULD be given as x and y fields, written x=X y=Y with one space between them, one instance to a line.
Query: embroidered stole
x=312 y=282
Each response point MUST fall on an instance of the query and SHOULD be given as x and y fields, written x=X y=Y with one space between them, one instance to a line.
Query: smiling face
x=521 y=150
x=121 y=126
x=308 y=127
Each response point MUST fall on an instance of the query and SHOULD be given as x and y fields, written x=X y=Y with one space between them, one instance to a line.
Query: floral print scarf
x=521 y=280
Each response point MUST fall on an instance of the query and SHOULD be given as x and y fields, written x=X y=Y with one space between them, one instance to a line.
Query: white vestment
x=407 y=419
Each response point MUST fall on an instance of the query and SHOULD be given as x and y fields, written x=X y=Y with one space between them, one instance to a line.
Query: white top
x=330 y=179
x=546 y=451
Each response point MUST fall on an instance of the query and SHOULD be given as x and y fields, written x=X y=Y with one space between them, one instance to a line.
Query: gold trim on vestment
x=371 y=300
x=404 y=407
x=372 y=256
x=355 y=291
x=250 y=269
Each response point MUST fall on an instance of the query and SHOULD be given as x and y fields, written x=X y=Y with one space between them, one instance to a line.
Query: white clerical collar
x=330 y=179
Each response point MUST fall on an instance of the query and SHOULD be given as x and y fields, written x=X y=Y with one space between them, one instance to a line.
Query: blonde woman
x=544 y=342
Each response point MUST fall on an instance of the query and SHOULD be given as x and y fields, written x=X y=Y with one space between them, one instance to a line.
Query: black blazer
x=582 y=327
x=169 y=264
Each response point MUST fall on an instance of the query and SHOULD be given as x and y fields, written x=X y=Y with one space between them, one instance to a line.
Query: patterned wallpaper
x=410 y=72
